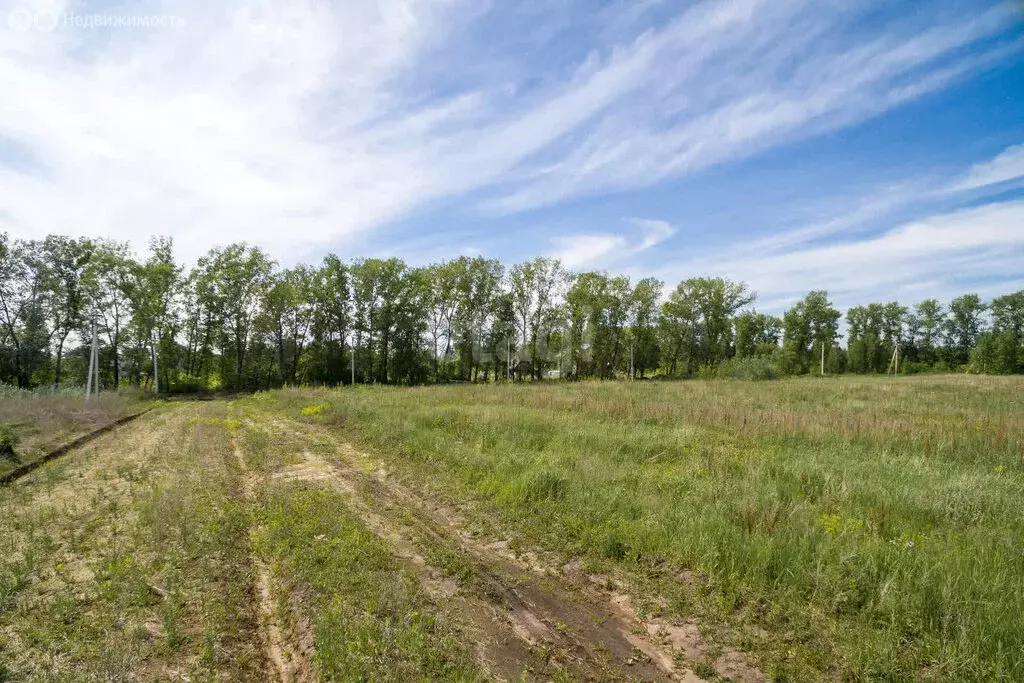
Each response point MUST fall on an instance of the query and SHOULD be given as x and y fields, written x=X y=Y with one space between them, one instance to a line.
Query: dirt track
x=521 y=613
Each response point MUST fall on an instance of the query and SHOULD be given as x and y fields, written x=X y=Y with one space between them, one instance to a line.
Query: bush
x=8 y=442
x=752 y=369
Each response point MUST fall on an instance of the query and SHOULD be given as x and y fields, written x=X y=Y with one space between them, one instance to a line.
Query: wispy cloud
x=1007 y=166
x=298 y=125
x=606 y=249
x=654 y=231
x=579 y=251
x=947 y=251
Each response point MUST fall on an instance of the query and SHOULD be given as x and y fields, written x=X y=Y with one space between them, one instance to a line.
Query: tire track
x=568 y=628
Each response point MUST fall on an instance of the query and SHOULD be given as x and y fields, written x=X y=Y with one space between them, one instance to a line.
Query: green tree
x=644 y=330
x=235 y=281
x=1001 y=351
x=289 y=309
x=757 y=334
x=66 y=261
x=964 y=326
x=332 y=318
x=931 y=321
x=535 y=286
x=809 y=326
x=108 y=282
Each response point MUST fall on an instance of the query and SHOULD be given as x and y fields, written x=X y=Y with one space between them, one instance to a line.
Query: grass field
x=847 y=529
x=41 y=422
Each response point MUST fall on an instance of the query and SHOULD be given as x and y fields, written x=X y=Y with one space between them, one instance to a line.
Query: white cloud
x=296 y=125
x=1007 y=166
x=603 y=249
x=654 y=231
x=946 y=251
x=577 y=251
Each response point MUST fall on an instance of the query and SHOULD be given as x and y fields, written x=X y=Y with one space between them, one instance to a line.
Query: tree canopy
x=237 y=320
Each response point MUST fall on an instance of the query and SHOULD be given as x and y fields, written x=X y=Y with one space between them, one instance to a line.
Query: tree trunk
x=60 y=356
x=280 y=356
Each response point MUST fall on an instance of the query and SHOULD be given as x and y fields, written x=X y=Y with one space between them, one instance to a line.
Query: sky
x=873 y=149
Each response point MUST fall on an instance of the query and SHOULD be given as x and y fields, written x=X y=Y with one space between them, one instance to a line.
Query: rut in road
x=287 y=654
x=525 y=616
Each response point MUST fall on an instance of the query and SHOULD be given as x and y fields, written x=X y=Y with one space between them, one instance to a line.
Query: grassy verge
x=868 y=528
x=34 y=424
x=130 y=559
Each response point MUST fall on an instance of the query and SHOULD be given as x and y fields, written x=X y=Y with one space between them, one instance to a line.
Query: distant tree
x=331 y=317
x=757 y=334
x=108 y=283
x=931 y=321
x=289 y=308
x=702 y=311
x=1001 y=351
x=236 y=279
x=66 y=263
x=645 y=297
x=808 y=326
x=478 y=283
x=535 y=286
x=964 y=326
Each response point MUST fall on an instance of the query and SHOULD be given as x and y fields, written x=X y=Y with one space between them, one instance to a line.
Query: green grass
x=370 y=618
x=871 y=526
x=129 y=559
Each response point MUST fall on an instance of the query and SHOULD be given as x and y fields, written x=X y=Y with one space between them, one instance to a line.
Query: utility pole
x=823 y=359
x=508 y=358
x=156 y=369
x=353 y=360
x=96 y=357
x=632 y=374
x=895 y=359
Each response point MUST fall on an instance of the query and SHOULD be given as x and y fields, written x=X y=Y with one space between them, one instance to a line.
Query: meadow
x=863 y=528
x=844 y=528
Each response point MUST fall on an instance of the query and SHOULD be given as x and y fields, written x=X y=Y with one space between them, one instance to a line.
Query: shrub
x=8 y=442
x=750 y=369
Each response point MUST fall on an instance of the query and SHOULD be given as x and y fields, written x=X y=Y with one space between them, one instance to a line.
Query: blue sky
x=874 y=149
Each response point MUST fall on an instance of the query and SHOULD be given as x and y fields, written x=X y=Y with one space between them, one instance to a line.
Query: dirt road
x=145 y=554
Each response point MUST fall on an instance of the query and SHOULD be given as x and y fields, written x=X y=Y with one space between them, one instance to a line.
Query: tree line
x=237 y=321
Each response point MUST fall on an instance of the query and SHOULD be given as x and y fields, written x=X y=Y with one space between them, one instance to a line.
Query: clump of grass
x=315 y=409
x=371 y=620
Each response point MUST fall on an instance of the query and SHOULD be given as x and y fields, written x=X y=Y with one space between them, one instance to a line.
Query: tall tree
x=332 y=315
x=23 y=288
x=703 y=308
x=757 y=334
x=236 y=279
x=931 y=321
x=535 y=287
x=67 y=261
x=1002 y=350
x=809 y=326
x=109 y=279
x=964 y=326
x=289 y=307
x=643 y=332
